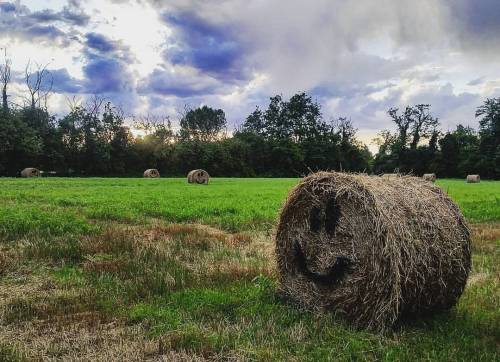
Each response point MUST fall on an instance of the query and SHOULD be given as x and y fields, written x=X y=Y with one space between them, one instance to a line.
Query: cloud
x=63 y=82
x=66 y=16
x=47 y=26
x=100 y=42
x=7 y=7
x=182 y=83
x=211 y=48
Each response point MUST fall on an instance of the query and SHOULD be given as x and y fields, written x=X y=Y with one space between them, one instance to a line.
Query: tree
x=39 y=82
x=203 y=124
x=5 y=80
x=422 y=123
x=403 y=123
x=489 y=131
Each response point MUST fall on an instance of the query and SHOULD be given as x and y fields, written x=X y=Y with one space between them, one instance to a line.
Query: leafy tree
x=489 y=130
x=203 y=124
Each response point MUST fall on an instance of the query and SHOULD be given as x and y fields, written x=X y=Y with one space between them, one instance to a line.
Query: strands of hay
x=151 y=173
x=198 y=177
x=429 y=177
x=473 y=179
x=30 y=172
x=373 y=249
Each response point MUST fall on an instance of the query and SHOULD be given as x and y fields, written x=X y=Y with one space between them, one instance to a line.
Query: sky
x=356 y=58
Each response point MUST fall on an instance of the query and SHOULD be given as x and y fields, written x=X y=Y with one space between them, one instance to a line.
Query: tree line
x=288 y=138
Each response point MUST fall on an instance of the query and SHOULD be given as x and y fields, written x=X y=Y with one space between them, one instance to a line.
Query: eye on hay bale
x=429 y=177
x=151 y=173
x=30 y=172
x=372 y=249
x=472 y=179
x=198 y=176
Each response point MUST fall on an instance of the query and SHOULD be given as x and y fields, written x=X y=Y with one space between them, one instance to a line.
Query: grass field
x=145 y=269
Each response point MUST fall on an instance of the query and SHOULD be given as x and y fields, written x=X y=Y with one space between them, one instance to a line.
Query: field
x=152 y=269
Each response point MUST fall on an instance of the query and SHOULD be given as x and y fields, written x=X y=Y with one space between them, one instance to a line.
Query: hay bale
x=429 y=177
x=30 y=172
x=473 y=179
x=375 y=250
x=391 y=175
x=151 y=173
x=198 y=176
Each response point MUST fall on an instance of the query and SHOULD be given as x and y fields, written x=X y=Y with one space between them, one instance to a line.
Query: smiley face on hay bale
x=198 y=176
x=372 y=249
x=151 y=173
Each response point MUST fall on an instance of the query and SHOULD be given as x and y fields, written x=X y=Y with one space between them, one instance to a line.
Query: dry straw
x=429 y=177
x=198 y=177
x=30 y=172
x=373 y=249
x=473 y=179
x=151 y=173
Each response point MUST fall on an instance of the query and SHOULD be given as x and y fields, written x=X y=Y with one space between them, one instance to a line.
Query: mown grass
x=94 y=259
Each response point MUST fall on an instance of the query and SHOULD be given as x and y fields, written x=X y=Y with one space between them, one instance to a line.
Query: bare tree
x=157 y=125
x=94 y=105
x=73 y=103
x=5 y=80
x=39 y=82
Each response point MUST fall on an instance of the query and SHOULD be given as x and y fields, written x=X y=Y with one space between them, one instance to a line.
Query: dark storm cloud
x=211 y=48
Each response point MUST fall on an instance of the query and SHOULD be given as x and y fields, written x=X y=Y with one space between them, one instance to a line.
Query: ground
x=158 y=269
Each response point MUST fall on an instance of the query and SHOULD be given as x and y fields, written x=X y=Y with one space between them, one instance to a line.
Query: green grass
x=58 y=206
x=99 y=250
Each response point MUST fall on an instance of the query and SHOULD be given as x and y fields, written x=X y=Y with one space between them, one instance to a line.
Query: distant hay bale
x=429 y=177
x=198 y=176
x=375 y=250
x=151 y=173
x=473 y=179
x=30 y=172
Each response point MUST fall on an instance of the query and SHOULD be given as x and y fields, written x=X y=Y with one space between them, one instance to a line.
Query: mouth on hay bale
x=373 y=249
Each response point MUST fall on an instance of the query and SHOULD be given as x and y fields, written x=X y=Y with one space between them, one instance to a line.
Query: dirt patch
x=485 y=237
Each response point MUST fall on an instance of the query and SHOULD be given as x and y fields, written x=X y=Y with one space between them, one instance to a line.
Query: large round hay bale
x=30 y=172
x=151 y=173
x=198 y=176
x=373 y=249
x=473 y=179
x=429 y=177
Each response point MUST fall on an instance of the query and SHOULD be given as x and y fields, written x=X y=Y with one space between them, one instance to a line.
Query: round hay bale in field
x=198 y=176
x=30 y=172
x=429 y=177
x=151 y=173
x=473 y=179
x=375 y=250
